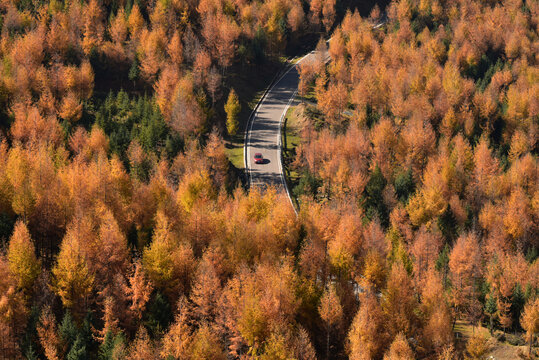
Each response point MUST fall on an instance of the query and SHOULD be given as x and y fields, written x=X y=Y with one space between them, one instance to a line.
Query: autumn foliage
x=125 y=230
x=413 y=125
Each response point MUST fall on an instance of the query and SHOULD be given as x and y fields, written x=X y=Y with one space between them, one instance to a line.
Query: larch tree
x=306 y=76
x=47 y=330
x=296 y=17
x=346 y=247
x=195 y=188
x=517 y=220
x=178 y=339
x=18 y=171
x=476 y=347
x=304 y=349
x=284 y=227
x=447 y=353
x=232 y=109
x=152 y=54
x=205 y=345
x=73 y=281
x=119 y=28
x=187 y=116
x=165 y=89
x=374 y=271
x=316 y=9
x=135 y=22
x=437 y=329
x=277 y=347
x=13 y=312
x=227 y=35
x=110 y=320
x=425 y=251
x=168 y=262
x=328 y=12
x=175 y=49
x=464 y=265
x=206 y=290
x=21 y=256
x=110 y=253
x=274 y=287
x=485 y=170
x=214 y=81
x=71 y=108
x=399 y=349
x=139 y=290
x=333 y=102
x=202 y=66
x=142 y=347
x=215 y=150
x=399 y=302
x=331 y=312
x=31 y=127
x=93 y=26
x=368 y=335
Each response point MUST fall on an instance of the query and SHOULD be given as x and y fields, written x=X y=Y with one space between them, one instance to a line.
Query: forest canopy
x=127 y=233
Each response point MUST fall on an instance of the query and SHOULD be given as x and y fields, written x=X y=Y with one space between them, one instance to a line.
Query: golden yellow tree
x=21 y=256
x=73 y=281
x=368 y=333
x=330 y=310
x=168 y=262
x=399 y=349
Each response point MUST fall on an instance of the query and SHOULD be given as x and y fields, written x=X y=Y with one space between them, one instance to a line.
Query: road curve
x=264 y=131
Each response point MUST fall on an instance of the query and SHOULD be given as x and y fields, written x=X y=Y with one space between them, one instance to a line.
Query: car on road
x=259 y=159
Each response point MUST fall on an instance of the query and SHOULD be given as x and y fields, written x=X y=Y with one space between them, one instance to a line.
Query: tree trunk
x=327 y=343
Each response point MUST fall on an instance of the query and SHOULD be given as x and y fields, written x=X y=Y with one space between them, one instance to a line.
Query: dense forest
x=427 y=130
x=126 y=233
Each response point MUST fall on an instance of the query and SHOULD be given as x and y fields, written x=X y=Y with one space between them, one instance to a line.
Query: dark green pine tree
x=373 y=197
x=442 y=264
x=110 y=344
x=490 y=310
x=30 y=339
x=105 y=349
x=30 y=354
x=78 y=349
x=517 y=304
x=68 y=330
x=448 y=225
x=404 y=185
x=158 y=314
x=134 y=71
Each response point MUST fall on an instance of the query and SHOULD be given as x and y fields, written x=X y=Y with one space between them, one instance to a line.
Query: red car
x=259 y=159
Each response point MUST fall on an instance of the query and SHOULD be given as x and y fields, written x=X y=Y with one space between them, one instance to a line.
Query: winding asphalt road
x=264 y=130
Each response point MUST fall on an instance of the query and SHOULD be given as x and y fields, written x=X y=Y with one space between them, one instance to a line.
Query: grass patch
x=291 y=138
x=234 y=153
x=499 y=346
